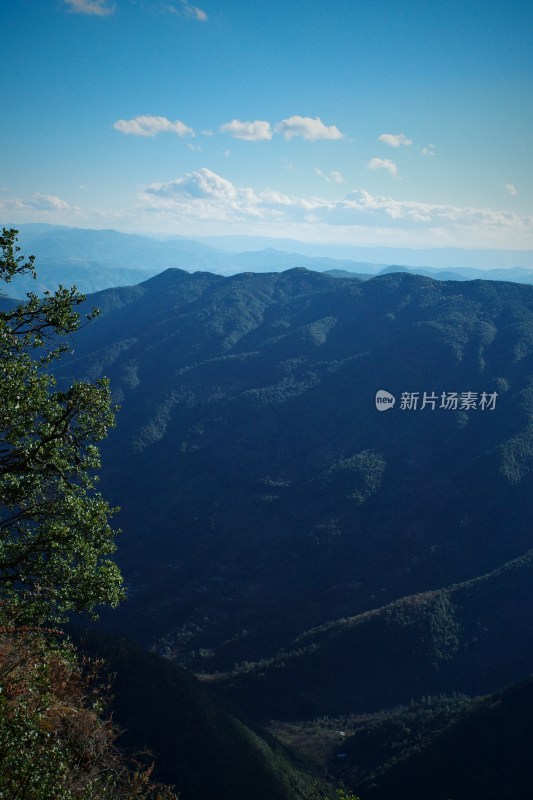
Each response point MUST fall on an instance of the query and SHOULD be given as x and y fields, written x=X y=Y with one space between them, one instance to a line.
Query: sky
x=361 y=122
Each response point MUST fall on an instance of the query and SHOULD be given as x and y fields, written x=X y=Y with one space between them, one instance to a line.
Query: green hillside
x=196 y=744
x=262 y=492
x=470 y=638
x=310 y=557
x=485 y=752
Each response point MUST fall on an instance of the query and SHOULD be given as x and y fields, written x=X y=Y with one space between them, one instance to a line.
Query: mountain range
x=98 y=259
x=306 y=554
x=263 y=494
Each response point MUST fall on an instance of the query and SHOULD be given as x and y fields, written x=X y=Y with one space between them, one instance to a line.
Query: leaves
x=55 y=539
x=55 y=742
x=55 y=536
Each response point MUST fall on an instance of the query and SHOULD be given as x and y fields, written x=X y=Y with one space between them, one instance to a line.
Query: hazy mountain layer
x=98 y=259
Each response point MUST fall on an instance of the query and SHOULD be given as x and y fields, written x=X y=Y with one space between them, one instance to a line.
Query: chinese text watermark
x=446 y=401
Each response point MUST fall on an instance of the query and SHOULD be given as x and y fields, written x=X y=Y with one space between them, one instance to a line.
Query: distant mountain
x=435 y=257
x=264 y=495
x=98 y=259
x=87 y=276
x=110 y=248
x=395 y=268
x=271 y=260
x=517 y=274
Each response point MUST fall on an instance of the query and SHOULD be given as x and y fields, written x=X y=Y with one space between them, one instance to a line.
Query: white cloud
x=308 y=128
x=395 y=139
x=429 y=150
x=511 y=188
x=202 y=194
x=432 y=217
x=203 y=201
x=383 y=163
x=333 y=177
x=336 y=177
x=37 y=202
x=207 y=196
x=150 y=126
x=256 y=131
x=196 y=13
x=200 y=185
x=189 y=11
x=38 y=206
x=47 y=202
x=97 y=8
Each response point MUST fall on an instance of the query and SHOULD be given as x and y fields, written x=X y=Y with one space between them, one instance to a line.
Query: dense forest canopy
x=354 y=580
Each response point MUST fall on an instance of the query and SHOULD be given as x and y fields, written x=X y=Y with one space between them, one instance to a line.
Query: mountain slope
x=262 y=492
x=485 y=753
x=470 y=638
x=196 y=745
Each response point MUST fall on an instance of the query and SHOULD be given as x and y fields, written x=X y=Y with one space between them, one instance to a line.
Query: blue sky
x=400 y=122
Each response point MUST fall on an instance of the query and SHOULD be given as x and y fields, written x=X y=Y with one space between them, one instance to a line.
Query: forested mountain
x=264 y=495
x=467 y=638
x=56 y=738
x=483 y=752
x=168 y=719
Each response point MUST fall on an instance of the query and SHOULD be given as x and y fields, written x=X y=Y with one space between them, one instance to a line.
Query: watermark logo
x=384 y=400
x=442 y=401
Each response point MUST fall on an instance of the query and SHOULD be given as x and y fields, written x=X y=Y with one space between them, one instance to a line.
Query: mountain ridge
x=263 y=493
x=461 y=640
x=96 y=259
x=305 y=554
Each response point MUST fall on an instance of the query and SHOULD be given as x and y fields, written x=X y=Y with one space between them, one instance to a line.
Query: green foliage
x=54 y=742
x=54 y=527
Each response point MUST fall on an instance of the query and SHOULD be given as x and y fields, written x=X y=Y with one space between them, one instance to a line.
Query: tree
x=55 y=535
x=55 y=740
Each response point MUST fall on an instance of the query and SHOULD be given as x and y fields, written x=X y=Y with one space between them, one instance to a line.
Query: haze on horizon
x=400 y=124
